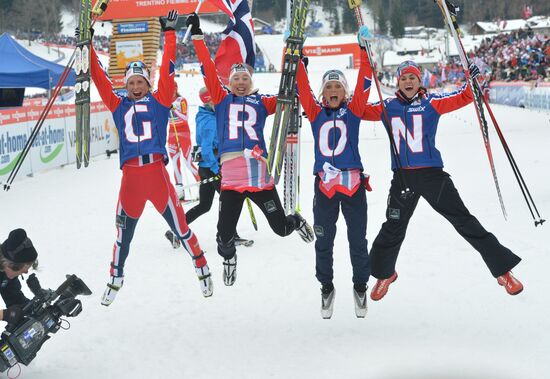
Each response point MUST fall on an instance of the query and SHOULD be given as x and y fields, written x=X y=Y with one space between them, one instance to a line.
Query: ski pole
x=204 y=181
x=98 y=10
x=39 y=123
x=186 y=37
x=450 y=18
x=405 y=190
x=252 y=215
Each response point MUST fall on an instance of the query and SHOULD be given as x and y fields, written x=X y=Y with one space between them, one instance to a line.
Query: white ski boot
x=360 y=298
x=303 y=228
x=207 y=287
x=327 y=301
x=115 y=283
x=230 y=271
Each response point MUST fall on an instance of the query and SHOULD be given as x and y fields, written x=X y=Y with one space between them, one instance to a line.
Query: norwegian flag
x=238 y=44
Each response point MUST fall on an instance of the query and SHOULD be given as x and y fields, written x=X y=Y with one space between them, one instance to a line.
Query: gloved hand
x=474 y=71
x=304 y=58
x=193 y=21
x=13 y=314
x=363 y=35
x=169 y=22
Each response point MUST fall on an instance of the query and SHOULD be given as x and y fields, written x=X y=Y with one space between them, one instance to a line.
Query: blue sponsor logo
x=133 y=27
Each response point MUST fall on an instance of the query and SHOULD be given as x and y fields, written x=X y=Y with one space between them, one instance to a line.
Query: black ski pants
x=231 y=204
x=436 y=186
x=325 y=214
x=206 y=195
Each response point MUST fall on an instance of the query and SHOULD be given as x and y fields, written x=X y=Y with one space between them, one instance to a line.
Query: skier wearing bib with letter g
x=414 y=116
x=339 y=178
x=141 y=118
x=241 y=115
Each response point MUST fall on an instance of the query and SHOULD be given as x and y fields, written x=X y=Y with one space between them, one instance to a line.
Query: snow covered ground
x=445 y=318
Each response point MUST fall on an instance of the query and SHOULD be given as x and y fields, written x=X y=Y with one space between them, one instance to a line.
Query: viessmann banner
x=122 y=9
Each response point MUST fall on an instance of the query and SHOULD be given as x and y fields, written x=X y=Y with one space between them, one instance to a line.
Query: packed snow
x=444 y=318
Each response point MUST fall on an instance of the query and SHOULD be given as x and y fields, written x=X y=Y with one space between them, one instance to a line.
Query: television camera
x=42 y=316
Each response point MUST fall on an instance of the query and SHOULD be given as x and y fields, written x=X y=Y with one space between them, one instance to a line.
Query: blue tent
x=19 y=68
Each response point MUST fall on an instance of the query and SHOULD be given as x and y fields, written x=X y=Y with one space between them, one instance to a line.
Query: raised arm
x=307 y=99
x=360 y=97
x=372 y=112
x=103 y=83
x=209 y=72
x=448 y=102
x=166 y=85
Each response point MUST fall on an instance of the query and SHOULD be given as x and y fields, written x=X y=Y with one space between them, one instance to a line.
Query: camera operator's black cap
x=18 y=247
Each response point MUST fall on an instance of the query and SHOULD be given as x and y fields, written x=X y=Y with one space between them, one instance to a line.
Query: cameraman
x=17 y=256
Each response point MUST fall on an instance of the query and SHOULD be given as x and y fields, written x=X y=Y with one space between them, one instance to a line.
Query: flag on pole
x=237 y=44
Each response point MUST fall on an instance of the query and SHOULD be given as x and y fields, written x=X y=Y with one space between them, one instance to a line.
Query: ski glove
x=363 y=35
x=474 y=71
x=13 y=314
x=195 y=24
x=169 y=22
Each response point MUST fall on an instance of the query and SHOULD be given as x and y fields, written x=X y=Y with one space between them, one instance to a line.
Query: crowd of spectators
x=518 y=56
x=186 y=53
x=101 y=43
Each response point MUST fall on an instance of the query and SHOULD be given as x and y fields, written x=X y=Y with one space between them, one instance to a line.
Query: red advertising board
x=342 y=49
x=123 y=9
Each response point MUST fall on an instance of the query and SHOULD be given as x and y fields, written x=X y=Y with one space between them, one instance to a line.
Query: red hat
x=205 y=97
x=408 y=67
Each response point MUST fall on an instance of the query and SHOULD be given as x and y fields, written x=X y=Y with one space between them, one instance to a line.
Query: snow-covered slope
x=445 y=318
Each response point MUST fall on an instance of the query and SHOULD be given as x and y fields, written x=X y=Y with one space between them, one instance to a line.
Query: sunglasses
x=329 y=72
x=238 y=66
x=138 y=64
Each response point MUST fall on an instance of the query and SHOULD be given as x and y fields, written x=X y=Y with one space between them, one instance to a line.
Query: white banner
x=54 y=145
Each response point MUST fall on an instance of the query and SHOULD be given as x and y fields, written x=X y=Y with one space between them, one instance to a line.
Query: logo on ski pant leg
x=319 y=230
x=121 y=221
x=270 y=206
x=394 y=213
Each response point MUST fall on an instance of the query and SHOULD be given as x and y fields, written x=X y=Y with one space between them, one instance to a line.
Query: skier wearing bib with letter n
x=141 y=118
x=414 y=116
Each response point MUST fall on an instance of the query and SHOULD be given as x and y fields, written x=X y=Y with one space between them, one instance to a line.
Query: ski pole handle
x=186 y=37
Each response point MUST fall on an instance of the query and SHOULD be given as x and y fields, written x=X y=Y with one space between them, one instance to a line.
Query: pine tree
x=382 y=20
x=396 y=19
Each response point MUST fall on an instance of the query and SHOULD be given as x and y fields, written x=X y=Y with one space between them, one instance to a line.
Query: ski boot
x=115 y=284
x=230 y=270
x=360 y=298
x=174 y=240
x=303 y=228
x=510 y=283
x=207 y=287
x=381 y=287
x=327 y=300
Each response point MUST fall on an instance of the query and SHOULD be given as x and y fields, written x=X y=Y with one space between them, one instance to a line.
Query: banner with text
x=54 y=145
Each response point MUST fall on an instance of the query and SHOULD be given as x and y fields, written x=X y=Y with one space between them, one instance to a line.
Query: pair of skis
x=287 y=88
x=83 y=83
x=449 y=12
